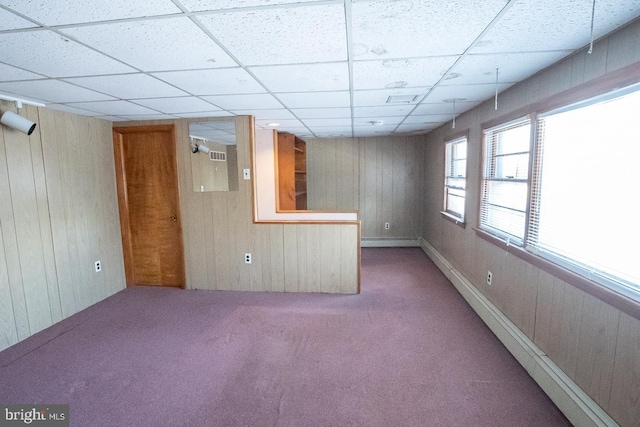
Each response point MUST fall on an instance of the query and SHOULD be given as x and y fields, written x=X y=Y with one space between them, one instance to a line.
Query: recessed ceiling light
x=273 y=124
x=402 y=99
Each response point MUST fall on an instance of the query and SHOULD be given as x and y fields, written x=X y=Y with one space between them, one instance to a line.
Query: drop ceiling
x=318 y=68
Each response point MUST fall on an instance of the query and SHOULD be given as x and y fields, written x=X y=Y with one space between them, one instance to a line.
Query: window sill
x=603 y=293
x=452 y=218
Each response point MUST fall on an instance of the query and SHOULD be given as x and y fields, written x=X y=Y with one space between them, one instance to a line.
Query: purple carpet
x=408 y=351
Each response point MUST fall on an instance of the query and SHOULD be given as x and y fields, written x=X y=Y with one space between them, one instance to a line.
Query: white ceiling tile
x=204 y=114
x=332 y=132
x=58 y=12
x=184 y=104
x=289 y=123
x=55 y=55
x=11 y=21
x=282 y=35
x=155 y=45
x=397 y=73
x=469 y=93
x=113 y=118
x=367 y=98
x=322 y=113
x=52 y=91
x=136 y=117
x=440 y=107
x=9 y=73
x=419 y=119
x=315 y=99
x=372 y=121
x=397 y=29
x=114 y=108
x=244 y=102
x=371 y=131
x=386 y=111
x=224 y=81
x=277 y=114
x=128 y=86
x=305 y=77
x=512 y=67
x=417 y=127
x=327 y=122
x=203 y=5
x=73 y=110
x=545 y=25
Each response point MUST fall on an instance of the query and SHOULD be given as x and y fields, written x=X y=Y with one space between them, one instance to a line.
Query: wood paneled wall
x=595 y=344
x=218 y=231
x=58 y=214
x=379 y=177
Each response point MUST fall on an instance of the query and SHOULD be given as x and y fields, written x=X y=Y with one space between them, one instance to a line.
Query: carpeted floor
x=408 y=351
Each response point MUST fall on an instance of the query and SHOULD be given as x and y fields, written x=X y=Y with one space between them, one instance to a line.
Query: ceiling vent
x=402 y=99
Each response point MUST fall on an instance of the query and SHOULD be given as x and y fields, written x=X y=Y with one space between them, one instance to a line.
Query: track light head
x=17 y=122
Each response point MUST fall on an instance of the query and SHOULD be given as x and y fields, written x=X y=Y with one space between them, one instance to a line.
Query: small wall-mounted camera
x=16 y=121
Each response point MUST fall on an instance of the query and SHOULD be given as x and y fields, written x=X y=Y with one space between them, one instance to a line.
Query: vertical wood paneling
x=349 y=257
x=48 y=256
x=379 y=177
x=8 y=332
x=276 y=252
x=54 y=149
x=58 y=214
x=28 y=233
x=10 y=259
x=220 y=237
x=625 y=388
x=597 y=349
x=572 y=306
x=290 y=240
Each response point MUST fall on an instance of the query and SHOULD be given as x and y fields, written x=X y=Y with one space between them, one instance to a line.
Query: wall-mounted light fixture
x=16 y=121
x=199 y=148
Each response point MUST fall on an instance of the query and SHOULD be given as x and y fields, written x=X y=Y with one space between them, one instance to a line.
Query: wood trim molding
x=123 y=205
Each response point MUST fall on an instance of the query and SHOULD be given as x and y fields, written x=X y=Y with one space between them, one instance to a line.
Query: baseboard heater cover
x=574 y=403
x=380 y=242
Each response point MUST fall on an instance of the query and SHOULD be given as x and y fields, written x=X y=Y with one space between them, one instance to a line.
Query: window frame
x=488 y=127
x=449 y=214
x=626 y=301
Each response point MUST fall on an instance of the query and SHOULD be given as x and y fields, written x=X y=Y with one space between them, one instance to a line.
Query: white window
x=585 y=199
x=455 y=177
x=503 y=199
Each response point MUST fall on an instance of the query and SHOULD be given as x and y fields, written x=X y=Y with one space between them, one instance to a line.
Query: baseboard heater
x=574 y=403
x=381 y=242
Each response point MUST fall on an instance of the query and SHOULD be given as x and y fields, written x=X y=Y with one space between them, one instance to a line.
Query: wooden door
x=147 y=179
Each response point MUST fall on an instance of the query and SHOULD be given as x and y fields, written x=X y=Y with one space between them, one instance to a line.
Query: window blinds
x=503 y=199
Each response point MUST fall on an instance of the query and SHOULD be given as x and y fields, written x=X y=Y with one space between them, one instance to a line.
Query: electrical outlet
x=98 y=266
x=246 y=173
x=247 y=258
x=387 y=226
x=489 y=277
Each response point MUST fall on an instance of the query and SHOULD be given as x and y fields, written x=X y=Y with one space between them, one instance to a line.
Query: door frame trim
x=123 y=200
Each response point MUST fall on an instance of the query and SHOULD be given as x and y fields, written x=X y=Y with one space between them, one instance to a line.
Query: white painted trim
x=574 y=403
x=264 y=191
x=378 y=242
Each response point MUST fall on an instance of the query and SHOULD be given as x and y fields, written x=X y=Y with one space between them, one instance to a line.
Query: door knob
x=174 y=218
